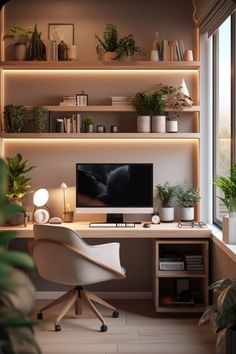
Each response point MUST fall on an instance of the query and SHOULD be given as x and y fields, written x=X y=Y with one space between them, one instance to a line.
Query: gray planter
x=89 y=128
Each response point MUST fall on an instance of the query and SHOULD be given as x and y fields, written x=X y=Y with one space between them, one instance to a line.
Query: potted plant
x=109 y=45
x=40 y=118
x=127 y=47
x=187 y=198
x=20 y=36
x=157 y=105
x=36 y=49
x=172 y=122
x=88 y=122
x=18 y=184
x=166 y=193
x=14 y=117
x=16 y=290
x=227 y=186
x=222 y=314
x=141 y=101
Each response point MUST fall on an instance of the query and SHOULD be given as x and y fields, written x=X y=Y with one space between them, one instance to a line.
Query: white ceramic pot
x=20 y=51
x=172 y=126
x=158 y=124
x=143 y=124
x=187 y=214
x=108 y=56
x=154 y=55
x=167 y=214
x=229 y=229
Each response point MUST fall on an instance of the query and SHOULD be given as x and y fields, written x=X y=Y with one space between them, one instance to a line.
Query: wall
x=173 y=160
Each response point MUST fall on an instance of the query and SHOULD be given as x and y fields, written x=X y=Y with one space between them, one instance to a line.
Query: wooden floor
x=138 y=330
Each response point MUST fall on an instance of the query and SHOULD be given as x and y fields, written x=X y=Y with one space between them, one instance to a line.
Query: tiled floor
x=138 y=330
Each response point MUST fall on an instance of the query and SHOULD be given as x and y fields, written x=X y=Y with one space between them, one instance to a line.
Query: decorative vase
x=154 y=55
x=20 y=51
x=187 y=214
x=167 y=214
x=62 y=51
x=143 y=124
x=109 y=56
x=89 y=128
x=229 y=227
x=172 y=126
x=158 y=124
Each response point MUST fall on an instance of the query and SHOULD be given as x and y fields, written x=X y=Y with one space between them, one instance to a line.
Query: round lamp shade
x=40 y=197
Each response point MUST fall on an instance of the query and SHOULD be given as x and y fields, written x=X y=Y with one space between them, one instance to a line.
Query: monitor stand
x=115 y=218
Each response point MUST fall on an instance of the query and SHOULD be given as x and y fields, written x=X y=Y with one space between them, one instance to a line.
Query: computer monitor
x=114 y=188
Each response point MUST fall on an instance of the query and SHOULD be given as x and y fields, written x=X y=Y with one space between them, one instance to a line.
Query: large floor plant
x=16 y=290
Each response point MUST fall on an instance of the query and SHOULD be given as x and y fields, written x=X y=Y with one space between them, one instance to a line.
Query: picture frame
x=62 y=31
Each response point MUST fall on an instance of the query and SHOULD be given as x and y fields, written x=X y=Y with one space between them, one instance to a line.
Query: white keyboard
x=105 y=224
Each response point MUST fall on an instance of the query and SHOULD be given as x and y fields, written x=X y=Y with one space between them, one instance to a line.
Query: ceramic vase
x=167 y=214
x=187 y=214
x=172 y=126
x=229 y=229
x=143 y=124
x=158 y=124
x=20 y=51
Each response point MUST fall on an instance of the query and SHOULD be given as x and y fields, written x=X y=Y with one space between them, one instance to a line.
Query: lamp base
x=68 y=216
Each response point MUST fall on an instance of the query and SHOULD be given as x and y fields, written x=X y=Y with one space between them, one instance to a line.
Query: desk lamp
x=40 y=199
x=67 y=213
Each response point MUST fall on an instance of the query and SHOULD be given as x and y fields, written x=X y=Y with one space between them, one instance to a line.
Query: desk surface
x=169 y=230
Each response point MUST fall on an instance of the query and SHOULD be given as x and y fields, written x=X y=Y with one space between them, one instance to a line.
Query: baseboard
x=129 y=295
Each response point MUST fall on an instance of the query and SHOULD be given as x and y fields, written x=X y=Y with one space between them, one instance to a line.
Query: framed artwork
x=61 y=32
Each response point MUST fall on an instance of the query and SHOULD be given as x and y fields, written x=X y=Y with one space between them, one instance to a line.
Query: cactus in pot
x=36 y=49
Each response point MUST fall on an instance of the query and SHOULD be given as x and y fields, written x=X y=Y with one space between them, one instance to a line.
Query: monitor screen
x=110 y=187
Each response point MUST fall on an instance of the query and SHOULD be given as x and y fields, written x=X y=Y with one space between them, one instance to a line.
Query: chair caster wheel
x=39 y=316
x=115 y=314
x=57 y=328
x=103 y=328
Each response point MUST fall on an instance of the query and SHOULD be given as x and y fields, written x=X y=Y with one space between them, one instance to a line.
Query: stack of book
x=72 y=124
x=172 y=50
x=194 y=262
x=121 y=101
x=68 y=101
x=171 y=262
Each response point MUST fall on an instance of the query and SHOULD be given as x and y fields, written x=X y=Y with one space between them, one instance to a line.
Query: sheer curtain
x=210 y=14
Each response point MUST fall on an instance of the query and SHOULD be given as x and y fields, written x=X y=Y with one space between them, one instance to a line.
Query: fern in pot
x=222 y=315
x=166 y=193
x=187 y=198
x=127 y=47
x=157 y=105
x=227 y=186
x=141 y=101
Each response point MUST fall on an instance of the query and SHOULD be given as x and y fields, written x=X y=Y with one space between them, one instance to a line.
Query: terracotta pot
x=109 y=56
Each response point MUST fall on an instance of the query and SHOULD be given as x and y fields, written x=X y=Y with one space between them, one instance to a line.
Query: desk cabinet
x=180 y=275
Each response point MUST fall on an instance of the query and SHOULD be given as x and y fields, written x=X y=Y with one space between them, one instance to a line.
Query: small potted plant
x=21 y=37
x=40 y=118
x=88 y=122
x=127 y=47
x=187 y=198
x=141 y=101
x=166 y=193
x=222 y=314
x=172 y=122
x=15 y=117
x=157 y=105
x=109 y=45
x=18 y=184
x=227 y=185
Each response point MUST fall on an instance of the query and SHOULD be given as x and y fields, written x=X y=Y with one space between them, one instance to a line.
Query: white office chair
x=63 y=257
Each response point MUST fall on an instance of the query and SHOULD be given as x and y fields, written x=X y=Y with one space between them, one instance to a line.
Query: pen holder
x=68 y=216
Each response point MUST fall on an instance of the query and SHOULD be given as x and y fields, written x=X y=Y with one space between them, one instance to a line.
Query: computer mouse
x=146 y=225
x=55 y=220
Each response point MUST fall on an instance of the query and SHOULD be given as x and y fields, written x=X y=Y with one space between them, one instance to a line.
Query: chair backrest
x=55 y=252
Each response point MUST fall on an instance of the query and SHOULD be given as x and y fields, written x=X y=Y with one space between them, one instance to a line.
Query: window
x=224 y=105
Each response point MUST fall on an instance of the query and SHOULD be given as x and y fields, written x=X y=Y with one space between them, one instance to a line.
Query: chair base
x=76 y=297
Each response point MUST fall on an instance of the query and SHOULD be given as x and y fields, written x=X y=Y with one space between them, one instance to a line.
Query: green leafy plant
x=228 y=187
x=36 y=49
x=15 y=117
x=40 y=117
x=157 y=103
x=187 y=196
x=166 y=193
x=110 y=39
x=141 y=101
x=18 y=184
x=20 y=35
x=16 y=290
x=127 y=46
x=222 y=314
x=88 y=120
x=173 y=96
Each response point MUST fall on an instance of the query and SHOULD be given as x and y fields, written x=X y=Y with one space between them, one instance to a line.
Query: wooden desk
x=168 y=230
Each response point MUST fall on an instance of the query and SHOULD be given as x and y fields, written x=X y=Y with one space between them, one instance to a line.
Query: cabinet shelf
x=181 y=274
x=76 y=65
x=82 y=136
x=111 y=108
x=182 y=309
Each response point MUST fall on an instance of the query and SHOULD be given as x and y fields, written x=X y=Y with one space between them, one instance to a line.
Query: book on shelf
x=68 y=101
x=171 y=265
